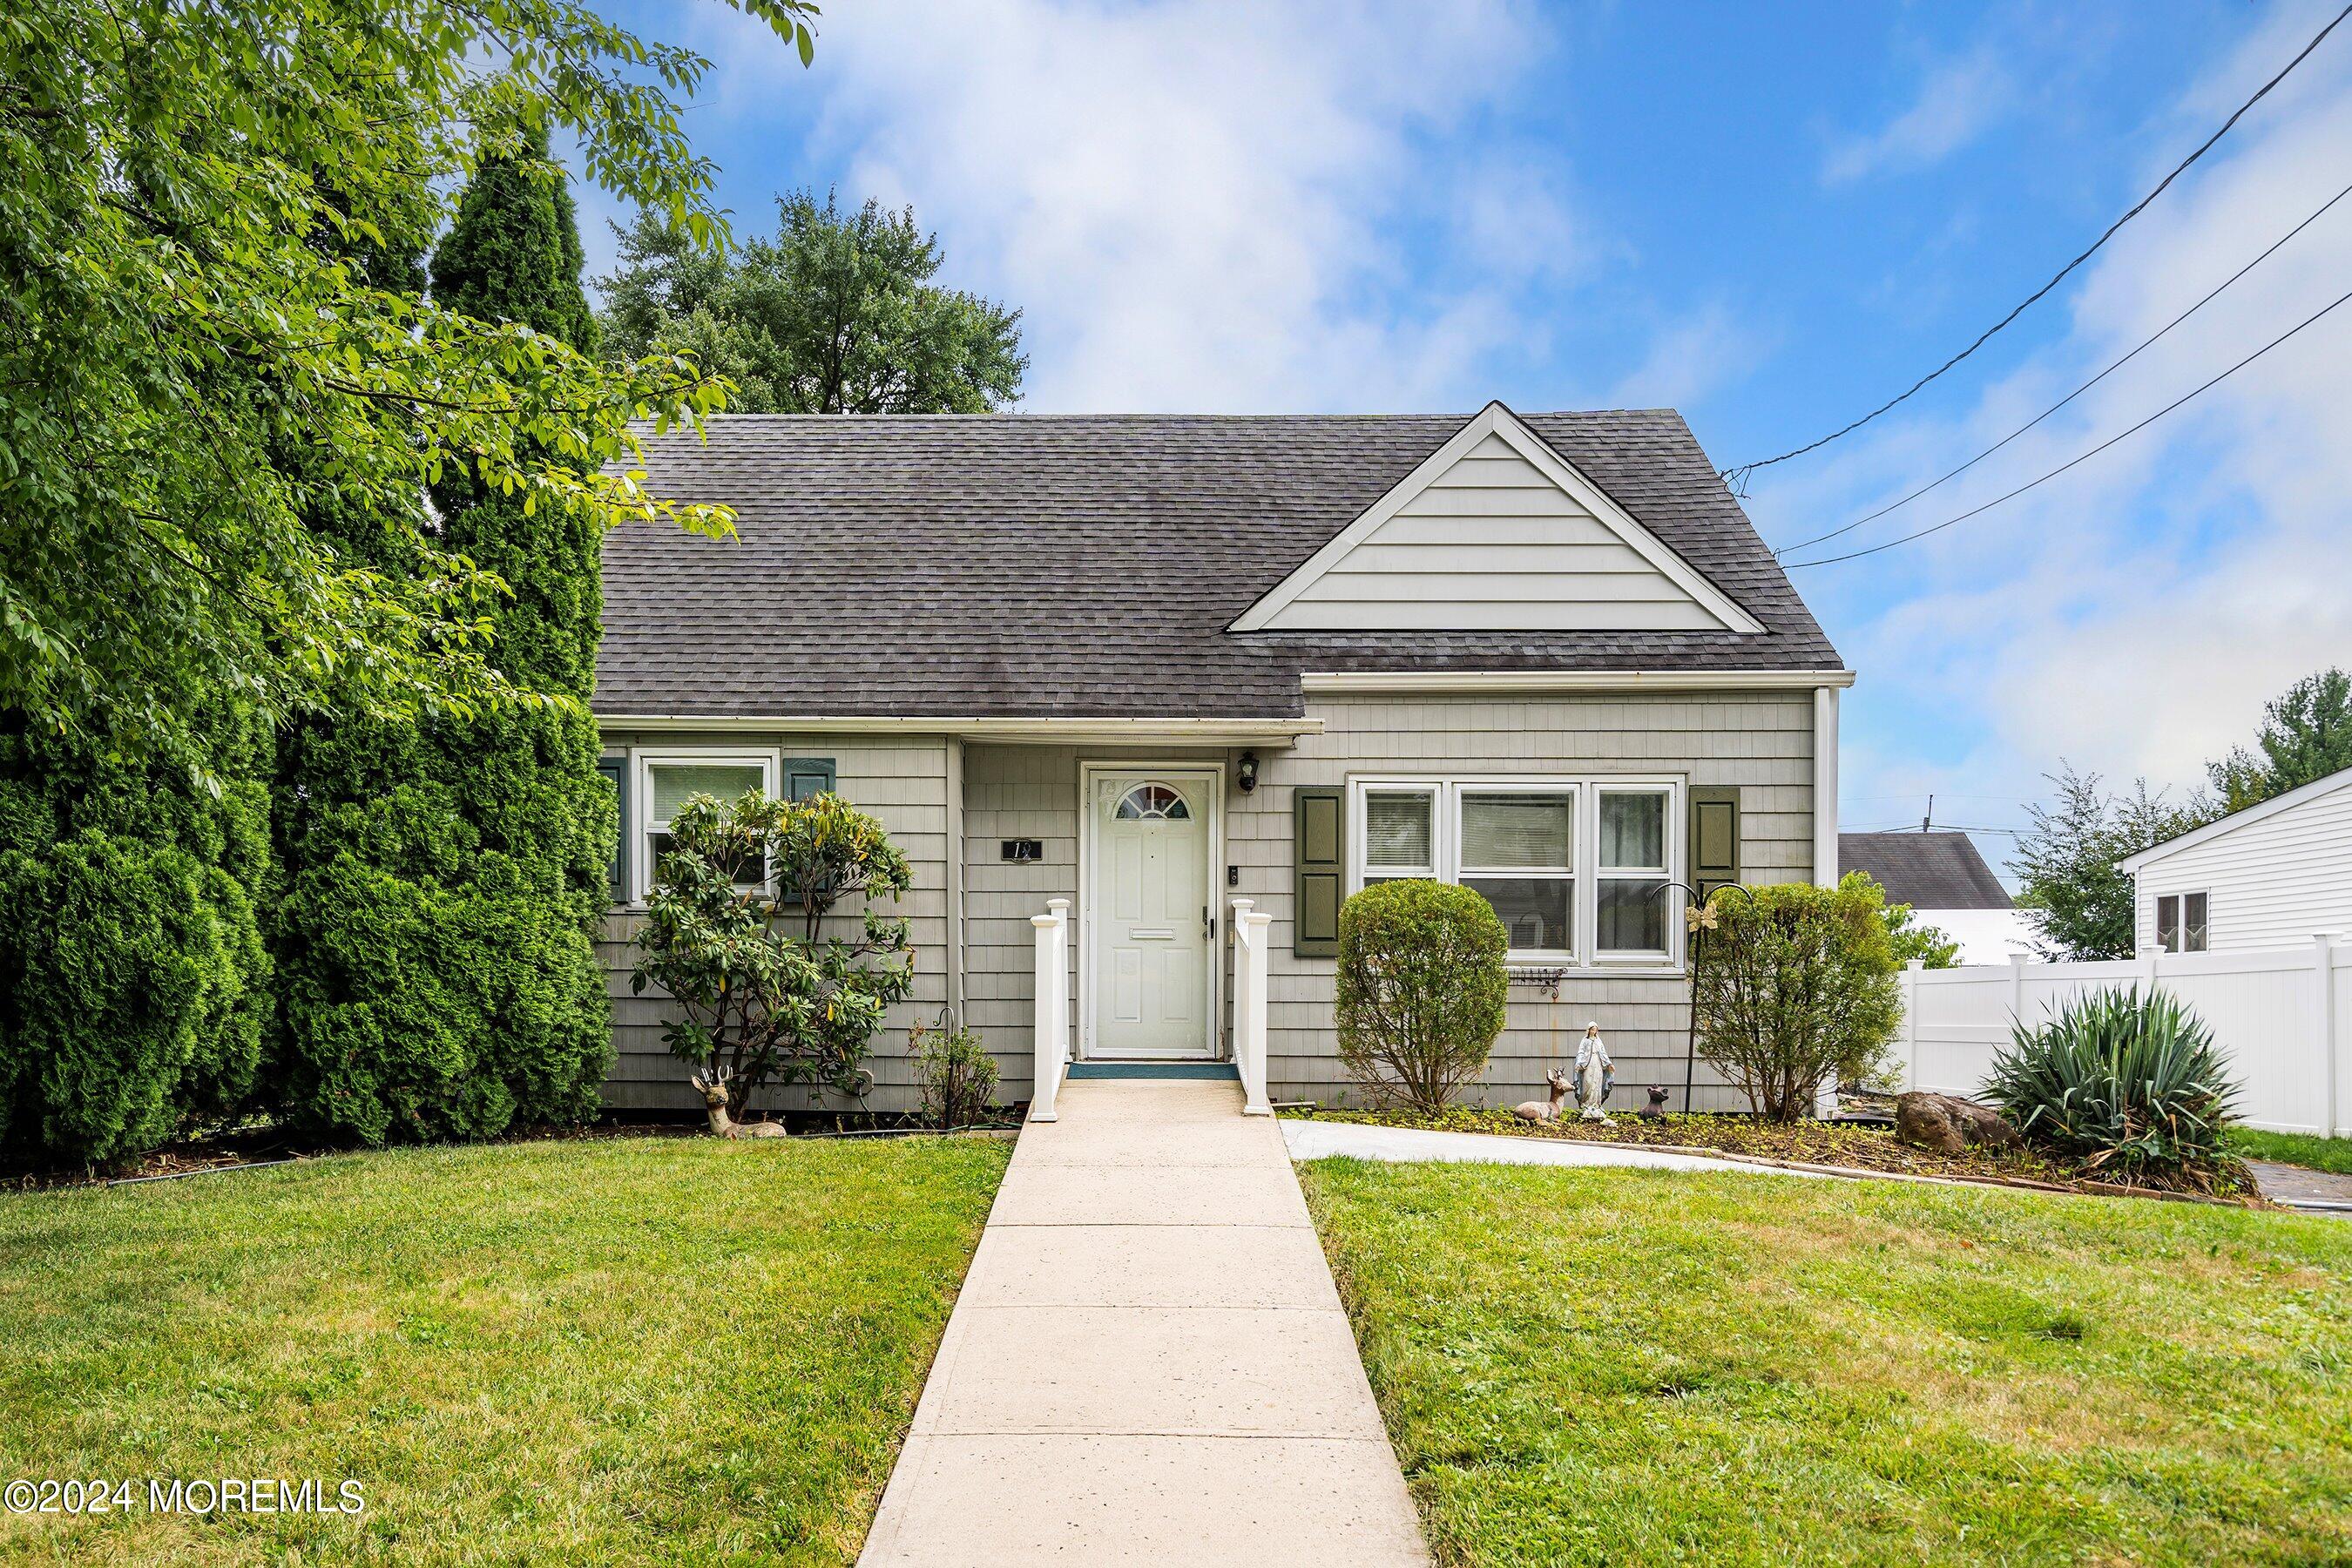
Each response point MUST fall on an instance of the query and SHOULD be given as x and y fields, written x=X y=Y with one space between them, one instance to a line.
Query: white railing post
x=2149 y=956
x=2331 y=1076
x=1911 y=973
x=1050 y=1009
x=2017 y=988
x=1250 y=940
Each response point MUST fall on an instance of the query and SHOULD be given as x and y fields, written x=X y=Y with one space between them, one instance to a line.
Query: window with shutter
x=805 y=776
x=1320 y=842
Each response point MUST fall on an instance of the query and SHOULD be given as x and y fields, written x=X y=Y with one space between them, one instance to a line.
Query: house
x=1948 y=884
x=2267 y=877
x=1150 y=665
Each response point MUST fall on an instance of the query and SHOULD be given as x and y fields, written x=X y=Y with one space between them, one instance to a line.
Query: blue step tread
x=1153 y=1069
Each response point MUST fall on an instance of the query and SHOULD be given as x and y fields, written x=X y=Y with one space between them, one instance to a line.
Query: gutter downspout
x=1825 y=831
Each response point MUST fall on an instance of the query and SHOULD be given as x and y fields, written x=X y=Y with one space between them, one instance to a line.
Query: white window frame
x=1451 y=800
x=769 y=762
x=2180 y=898
x=1667 y=873
x=1445 y=791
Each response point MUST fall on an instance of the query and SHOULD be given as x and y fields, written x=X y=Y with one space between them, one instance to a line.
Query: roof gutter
x=1520 y=681
x=1098 y=731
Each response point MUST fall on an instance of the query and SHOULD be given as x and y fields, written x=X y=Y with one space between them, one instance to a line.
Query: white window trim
x=1586 y=788
x=2181 y=916
x=769 y=762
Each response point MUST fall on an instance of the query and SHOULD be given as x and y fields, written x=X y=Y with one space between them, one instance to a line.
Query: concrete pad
x=1175 y=1266
x=1268 y=1502
x=1202 y=1373
x=1140 y=1195
x=1162 y=1099
x=1325 y=1140
x=1157 y=1144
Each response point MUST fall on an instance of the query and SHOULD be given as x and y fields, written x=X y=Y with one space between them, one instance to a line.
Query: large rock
x=1949 y=1124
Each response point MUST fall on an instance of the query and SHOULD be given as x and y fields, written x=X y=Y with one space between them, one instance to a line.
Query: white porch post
x=1825 y=786
x=1050 y=1011
x=1250 y=940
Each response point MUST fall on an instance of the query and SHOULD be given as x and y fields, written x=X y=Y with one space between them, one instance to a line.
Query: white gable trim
x=2341 y=779
x=1497 y=420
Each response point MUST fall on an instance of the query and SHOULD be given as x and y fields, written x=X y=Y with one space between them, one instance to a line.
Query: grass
x=638 y=1350
x=2293 y=1149
x=1612 y=1366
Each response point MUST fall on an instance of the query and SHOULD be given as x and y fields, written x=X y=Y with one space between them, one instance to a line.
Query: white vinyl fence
x=2284 y=1014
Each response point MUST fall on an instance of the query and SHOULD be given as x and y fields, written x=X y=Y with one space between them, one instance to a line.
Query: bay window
x=1580 y=871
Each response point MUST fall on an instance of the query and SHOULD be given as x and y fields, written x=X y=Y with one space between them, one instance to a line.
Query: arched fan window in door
x=1152 y=803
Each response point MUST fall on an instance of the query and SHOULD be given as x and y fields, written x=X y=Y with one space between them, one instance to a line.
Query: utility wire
x=2120 y=435
x=1738 y=476
x=2014 y=435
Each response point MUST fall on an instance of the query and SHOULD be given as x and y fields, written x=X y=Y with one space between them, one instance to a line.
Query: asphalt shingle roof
x=1925 y=871
x=1029 y=566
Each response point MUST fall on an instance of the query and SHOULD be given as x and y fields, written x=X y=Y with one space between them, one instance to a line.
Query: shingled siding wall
x=1761 y=743
x=902 y=782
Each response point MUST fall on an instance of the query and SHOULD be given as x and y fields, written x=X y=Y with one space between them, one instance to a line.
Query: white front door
x=1150 y=907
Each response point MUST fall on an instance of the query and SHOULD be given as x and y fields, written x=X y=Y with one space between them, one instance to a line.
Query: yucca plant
x=2131 y=1086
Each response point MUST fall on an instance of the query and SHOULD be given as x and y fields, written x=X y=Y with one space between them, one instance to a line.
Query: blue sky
x=1772 y=218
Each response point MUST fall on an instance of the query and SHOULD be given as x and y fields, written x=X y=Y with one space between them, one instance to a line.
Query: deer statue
x=1545 y=1110
x=714 y=1100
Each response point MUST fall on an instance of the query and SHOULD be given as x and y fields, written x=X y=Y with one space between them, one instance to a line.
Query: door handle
x=1209 y=923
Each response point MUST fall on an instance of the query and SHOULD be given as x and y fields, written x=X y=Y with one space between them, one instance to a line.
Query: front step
x=1155 y=1070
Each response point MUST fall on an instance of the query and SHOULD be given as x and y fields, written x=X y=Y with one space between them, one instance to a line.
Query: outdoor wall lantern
x=1245 y=775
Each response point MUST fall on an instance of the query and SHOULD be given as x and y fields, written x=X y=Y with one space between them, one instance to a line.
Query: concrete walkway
x=1149 y=1362
x=1322 y=1139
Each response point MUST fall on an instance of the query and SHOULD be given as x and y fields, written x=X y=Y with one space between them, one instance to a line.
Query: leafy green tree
x=838 y=313
x=1932 y=945
x=2079 y=904
x=2306 y=734
x=191 y=193
x=444 y=871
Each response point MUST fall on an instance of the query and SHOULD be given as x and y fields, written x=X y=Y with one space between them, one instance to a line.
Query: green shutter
x=1320 y=838
x=805 y=776
x=616 y=773
x=1713 y=838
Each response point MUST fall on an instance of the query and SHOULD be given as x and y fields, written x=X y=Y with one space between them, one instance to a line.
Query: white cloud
x=2134 y=615
x=1200 y=204
x=1956 y=102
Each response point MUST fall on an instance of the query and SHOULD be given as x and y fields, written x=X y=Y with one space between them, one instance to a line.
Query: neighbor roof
x=1027 y=565
x=1940 y=870
x=2326 y=783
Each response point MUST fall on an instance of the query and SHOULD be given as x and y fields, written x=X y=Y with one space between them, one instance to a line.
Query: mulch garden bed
x=1823 y=1145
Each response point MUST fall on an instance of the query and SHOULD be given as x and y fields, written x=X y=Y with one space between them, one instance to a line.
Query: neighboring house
x=1948 y=884
x=2269 y=876
x=1150 y=664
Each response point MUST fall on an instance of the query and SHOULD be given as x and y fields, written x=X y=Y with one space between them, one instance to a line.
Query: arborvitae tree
x=445 y=874
x=134 y=984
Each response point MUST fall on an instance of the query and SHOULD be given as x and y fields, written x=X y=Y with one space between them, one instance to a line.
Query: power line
x=2014 y=435
x=1738 y=476
x=2120 y=435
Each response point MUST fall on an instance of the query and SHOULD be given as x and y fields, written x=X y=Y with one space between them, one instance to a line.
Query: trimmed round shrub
x=1421 y=990
x=2131 y=1086
x=1793 y=986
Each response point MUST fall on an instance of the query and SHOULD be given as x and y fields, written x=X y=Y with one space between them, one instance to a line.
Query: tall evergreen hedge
x=133 y=982
x=444 y=875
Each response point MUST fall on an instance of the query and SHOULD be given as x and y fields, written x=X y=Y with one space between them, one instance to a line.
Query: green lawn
x=2293 y=1149
x=640 y=1350
x=1612 y=1366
